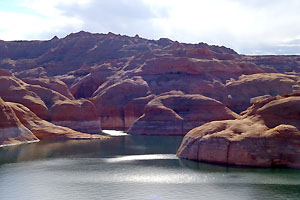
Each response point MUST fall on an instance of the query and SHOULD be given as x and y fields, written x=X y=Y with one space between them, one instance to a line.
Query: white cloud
x=43 y=22
x=242 y=25
x=26 y=26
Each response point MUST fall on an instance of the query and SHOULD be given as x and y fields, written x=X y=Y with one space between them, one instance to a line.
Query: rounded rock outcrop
x=46 y=130
x=12 y=131
x=79 y=115
x=176 y=114
x=110 y=102
x=266 y=135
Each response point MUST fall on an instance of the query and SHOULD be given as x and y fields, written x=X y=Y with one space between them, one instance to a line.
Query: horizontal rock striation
x=79 y=115
x=12 y=131
x=46 y=130
x=176 y=114
x=266 y=135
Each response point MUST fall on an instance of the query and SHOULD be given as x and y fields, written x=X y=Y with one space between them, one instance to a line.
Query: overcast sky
x=247 y=26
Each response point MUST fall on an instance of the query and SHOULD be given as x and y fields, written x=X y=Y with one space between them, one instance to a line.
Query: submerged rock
x=266 y=135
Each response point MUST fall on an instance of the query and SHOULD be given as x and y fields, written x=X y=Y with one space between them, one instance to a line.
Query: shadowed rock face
x=175 y=114
x=135 y=108
x=11 y=130
x=87 y=85
x=110 y=102
x=266 y=135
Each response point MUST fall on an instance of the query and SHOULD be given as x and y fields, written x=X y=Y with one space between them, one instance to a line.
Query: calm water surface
x=131 y=167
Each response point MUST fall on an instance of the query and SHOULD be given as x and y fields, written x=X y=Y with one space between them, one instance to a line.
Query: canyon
x=73 y=87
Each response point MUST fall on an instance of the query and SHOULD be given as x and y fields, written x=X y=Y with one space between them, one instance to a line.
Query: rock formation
x=174 y=113
x=53 y=84
x=12 y=131
x=79 y=115
x=246 y=87
x=266 y=135
x=121 y=75
x=87 y=85
x=111 y=101
x=15 y=90
x=135 y=108
x=46 y=130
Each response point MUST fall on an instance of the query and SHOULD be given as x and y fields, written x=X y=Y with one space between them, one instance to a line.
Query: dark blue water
x=131 y=167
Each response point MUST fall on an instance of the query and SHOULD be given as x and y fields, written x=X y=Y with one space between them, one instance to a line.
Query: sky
x=247 y=26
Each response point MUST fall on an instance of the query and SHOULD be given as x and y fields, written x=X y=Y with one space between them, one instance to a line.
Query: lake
x=131 y=167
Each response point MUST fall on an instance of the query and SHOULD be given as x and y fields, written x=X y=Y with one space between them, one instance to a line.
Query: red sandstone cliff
x=12 y=131
x=266 y=135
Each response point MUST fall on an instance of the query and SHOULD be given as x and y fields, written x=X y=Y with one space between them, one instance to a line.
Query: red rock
x=79 y=115
x=53 y=84
x=111 y=101
x=49 y=97
x=86 y=86
x=12 y=131
x=199 y=53
x=46 y=130
x=180 y=114
x=91 y=64
x=51 y=105
x=267 y=135
x=4 y=72
x=241 y=91
x=158 y=120
x=14 y=90
x=32 y=73
x=217 y=68
x=135 y=108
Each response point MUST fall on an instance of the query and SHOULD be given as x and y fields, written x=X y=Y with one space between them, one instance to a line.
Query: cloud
x=248 y=26
x=37 y=20
x=245 y=25
x=119 y=16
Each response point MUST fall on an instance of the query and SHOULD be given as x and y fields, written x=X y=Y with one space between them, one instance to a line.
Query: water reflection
x=131 y=167
x=141 y=158
x=114 y=132
x=125 y=145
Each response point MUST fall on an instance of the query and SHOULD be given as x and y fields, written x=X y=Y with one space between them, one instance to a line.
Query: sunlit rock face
x=12 y=131
x=44 y=129
x=266 y=135
x=79 y=115
x=241 y=91
x=52 y=101
x=175 y=113
x=53 y=84
x=15 y=90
